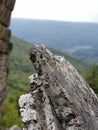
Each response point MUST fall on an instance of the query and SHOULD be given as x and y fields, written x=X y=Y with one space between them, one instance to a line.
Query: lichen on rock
x=58 y=98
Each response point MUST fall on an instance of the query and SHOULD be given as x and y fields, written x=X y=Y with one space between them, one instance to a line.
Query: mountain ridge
x=60 y=35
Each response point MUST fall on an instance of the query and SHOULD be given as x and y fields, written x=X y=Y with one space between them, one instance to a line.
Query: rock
x=6 y=7
x=59 y=98
x=4 y=15
x=4 y=129
x=5 y=33
x=15 y=127
x=5 y=47
x=9 y=4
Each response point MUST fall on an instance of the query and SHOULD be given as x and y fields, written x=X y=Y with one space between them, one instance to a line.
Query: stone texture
x=3 y=60
x=59 y=98
x=5 y=33
x=4 y=15
x=6 y=7
x=9 y=4
x=15 y=127
x=3 y=94
x=1 y=110
x=3 y=77
x=5 y=47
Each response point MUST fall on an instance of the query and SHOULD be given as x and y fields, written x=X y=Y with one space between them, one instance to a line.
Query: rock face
x=6 y=6
x=14 y=127
x=59 y=98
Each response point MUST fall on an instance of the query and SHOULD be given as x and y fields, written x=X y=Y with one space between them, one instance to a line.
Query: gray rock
x=6 y=7
x=15 y=127
x=59 y=98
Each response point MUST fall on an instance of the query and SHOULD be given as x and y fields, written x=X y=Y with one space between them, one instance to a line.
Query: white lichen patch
x=27 y=113
x=25 y=99
x=33 y=78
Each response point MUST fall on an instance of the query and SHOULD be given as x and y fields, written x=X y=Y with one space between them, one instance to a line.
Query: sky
x=63 y=10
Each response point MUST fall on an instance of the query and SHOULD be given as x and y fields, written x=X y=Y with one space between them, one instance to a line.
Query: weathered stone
x=5 y=47
x=15 y=127
x=59 y=97
x=1 y=110
x=3 y=94
x=2 y=85
x=3 y=60
x=4 y=15
x=10 y=4
x=3 y=77
x=6 y=6
x=5 y=33
x=1 y=1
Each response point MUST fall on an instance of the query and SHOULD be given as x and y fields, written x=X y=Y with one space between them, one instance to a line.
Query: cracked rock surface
x=59 y=98
x=6 y=7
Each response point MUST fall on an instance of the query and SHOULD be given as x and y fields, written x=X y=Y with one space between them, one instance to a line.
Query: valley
x=74 y=38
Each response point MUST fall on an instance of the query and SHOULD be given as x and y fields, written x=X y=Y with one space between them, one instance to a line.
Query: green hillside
x=91 y=77
x=77 y=38
x=17 y=84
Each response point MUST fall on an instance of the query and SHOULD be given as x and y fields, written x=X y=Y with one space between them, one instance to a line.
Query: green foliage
x=17 y=83
x=11 y=111
x=92 y=78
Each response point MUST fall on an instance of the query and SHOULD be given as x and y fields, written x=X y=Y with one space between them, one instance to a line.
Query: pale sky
x=65 y=10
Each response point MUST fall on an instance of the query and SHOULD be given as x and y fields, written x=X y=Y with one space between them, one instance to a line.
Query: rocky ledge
x=59 y=98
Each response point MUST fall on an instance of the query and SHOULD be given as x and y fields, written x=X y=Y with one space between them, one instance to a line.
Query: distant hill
x=78 y=39
x=17 y=84
x=22 y=63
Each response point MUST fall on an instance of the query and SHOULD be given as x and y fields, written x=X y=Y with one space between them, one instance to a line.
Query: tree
x=92 y=78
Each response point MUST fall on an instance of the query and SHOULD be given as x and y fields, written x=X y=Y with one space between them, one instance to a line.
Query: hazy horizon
x=55 y=20
x=59 y=10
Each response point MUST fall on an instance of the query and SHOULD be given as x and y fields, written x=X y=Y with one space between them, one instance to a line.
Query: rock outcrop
x=59 y=98
x=14 y=127
x=6 y=7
